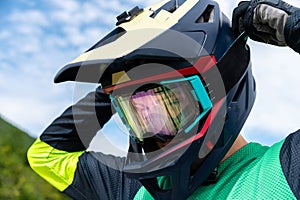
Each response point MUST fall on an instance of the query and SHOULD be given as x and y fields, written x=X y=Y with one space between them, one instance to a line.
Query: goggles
x=162 y=110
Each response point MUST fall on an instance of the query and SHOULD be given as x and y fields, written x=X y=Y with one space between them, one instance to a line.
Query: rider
x=183 y=87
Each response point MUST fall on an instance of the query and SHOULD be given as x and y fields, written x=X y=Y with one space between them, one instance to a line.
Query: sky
x=39 y=37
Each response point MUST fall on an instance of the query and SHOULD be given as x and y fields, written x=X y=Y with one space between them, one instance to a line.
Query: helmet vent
x=111 y=37
x=207 y=16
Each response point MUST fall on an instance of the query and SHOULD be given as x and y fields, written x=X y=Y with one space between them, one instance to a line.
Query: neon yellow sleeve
x=55 y=166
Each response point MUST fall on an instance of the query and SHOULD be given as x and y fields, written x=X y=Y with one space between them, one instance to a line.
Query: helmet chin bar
x=181 y=178
x=178 y=177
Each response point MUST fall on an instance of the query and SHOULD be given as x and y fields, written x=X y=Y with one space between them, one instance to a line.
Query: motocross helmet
x=181 y=82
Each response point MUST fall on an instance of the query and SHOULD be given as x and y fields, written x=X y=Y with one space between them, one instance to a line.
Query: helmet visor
x=162 y=110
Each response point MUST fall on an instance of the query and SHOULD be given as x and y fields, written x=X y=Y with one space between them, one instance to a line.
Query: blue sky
x=39 y=37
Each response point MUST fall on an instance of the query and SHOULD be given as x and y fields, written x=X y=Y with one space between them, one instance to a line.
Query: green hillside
x=17 y=179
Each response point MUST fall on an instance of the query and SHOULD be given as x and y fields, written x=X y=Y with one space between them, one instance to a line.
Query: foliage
x=17 y=179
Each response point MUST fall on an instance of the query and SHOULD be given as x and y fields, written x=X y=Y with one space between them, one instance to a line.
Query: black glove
x=263 y=20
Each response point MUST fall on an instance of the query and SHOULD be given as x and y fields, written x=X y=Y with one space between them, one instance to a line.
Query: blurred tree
x=17 y=179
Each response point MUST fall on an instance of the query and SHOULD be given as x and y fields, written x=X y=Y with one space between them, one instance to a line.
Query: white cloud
x=114 y=6
x=69 y=6
x=37 y=43
x=29 y=17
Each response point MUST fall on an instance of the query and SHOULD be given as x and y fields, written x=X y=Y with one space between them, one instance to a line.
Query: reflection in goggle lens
x=156 y=113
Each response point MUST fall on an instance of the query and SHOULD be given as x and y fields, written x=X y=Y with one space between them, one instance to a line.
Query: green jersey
x=253 y=172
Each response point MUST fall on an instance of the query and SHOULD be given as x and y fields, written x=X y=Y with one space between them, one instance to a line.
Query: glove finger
x=237 y=16
x=241 y=9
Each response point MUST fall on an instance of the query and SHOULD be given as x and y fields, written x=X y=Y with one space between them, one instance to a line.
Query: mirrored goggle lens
x=165 y=109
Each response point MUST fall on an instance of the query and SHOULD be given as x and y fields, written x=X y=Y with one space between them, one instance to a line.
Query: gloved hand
x=263 y=20
x=89 y=115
